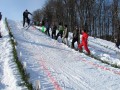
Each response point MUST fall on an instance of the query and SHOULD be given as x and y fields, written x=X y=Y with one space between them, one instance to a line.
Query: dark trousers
x=74 y=40
x=53 y=34
x=26 y=19
x=47 y=31
x=0 y=35
x=60 y=33
x=117 y=45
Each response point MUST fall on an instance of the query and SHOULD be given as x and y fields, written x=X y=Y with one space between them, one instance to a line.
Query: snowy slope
x=58 y=67
x=105 y=43
x=104 y=50
x=8 y=72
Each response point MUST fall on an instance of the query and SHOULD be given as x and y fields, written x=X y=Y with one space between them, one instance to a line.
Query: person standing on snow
x=117 y=43
x=76 y=36
x=65 y=35
x=84 y=42
x=0 y=25
x=25 y=17
x=54 y=31
x=47 y=25
x=61 y=29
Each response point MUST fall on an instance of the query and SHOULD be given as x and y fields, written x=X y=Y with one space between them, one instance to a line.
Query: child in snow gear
x=76 y=36
x=65 y=35
x=84 y=42
x=117 y=43
x=60 y=33
x=26 y=18
x=47 y=25
x=54 y=31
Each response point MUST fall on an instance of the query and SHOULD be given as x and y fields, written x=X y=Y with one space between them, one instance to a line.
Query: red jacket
x=84 y=38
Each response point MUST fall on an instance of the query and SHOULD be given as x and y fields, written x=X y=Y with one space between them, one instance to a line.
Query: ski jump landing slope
x=59 y=67
x=9 y=76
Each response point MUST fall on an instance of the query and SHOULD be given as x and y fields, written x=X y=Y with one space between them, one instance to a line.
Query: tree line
x=101 y=18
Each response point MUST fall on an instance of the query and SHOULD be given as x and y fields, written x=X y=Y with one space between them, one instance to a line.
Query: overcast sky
x=13 y=9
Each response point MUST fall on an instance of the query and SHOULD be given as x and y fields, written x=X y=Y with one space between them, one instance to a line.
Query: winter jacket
x=76 y=33
x=60 y=28
x=84 y=38
x=47 y=25
x=26 y=13
x=0 y=16
x=54 y=28
x=65 y=33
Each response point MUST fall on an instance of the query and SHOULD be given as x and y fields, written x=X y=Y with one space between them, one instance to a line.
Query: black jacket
x=76 y=33
x=26 y=13
x=54 y=28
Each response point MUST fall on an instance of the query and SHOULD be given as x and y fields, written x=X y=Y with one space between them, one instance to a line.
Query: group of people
x=63 y=33
x=0 y=21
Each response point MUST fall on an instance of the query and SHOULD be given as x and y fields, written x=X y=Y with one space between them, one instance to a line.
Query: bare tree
x=100 y=17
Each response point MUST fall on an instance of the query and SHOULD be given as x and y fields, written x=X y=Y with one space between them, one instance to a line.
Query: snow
x=105 y=50
x=8 y=72
x=104 y=43
x=59 y=67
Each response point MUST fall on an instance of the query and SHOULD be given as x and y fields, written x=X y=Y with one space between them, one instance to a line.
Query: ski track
x=59 y=67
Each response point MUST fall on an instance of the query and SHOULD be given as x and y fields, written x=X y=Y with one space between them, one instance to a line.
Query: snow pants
x=60 y=33
x=118 y=44
x=26 y=19
x=0 y=35
x=47 y=31
x=75 y=40
x=85 y=47
x=65 y=41
x=54 y=34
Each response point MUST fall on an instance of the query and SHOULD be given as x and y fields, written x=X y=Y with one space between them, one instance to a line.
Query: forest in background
x=101 y=18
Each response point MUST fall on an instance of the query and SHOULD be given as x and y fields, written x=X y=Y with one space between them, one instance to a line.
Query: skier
x=76 y=36
x=47 y=25
x=0 y=21
x=25 y=17
x=54 y=31
x=117 y=43
x=84 y=42
x=61 y=29
x=65 y=35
